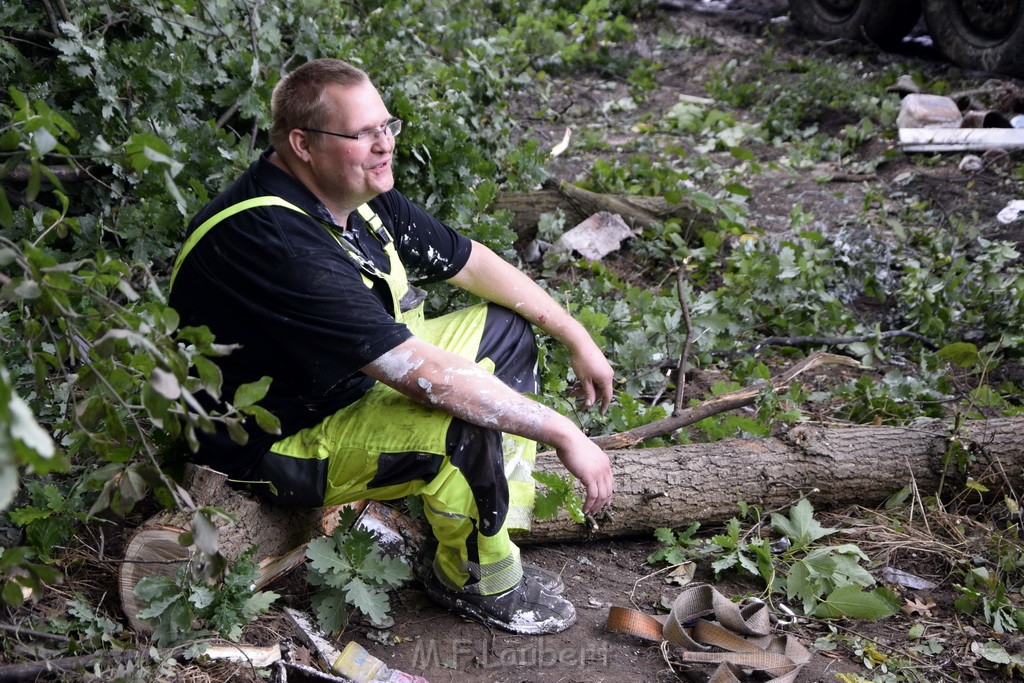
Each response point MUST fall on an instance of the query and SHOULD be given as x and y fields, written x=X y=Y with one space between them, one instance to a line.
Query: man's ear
x=298 y=141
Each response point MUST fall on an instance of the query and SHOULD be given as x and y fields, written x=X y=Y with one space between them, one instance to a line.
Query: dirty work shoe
x=527 y=609
x=551 y=581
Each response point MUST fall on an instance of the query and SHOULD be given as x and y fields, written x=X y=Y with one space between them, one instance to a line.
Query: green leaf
x=24 y=428
x=259 y=602
x=166 y=384
x=156 y=607
x=331 y=610
x=265 y=419
x=373 y=603
x=392 y=572
x=249 y=394
x=150 y=588
x=210 y=375
x=12 y=593
x=558 y=494
x=961 y=354
x=852 y=602
x=801 y=527
x=28 y=514
x=665 y=535
x=6 y=213
x=993 y=652
x=202 y=596
x=325 y=559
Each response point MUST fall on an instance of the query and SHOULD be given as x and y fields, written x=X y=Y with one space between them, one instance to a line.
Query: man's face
x=351 y=172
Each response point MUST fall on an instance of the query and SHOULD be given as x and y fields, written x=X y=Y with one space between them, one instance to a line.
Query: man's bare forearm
x=459 y=387
x=455 y=385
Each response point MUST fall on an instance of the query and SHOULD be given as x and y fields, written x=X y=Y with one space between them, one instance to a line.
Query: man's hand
x=588 y=463
x=595 y=375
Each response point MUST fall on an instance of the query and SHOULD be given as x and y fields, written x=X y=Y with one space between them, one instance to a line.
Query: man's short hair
x=299 y=101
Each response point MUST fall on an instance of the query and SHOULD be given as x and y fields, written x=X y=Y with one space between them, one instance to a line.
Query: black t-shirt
x=277 y=284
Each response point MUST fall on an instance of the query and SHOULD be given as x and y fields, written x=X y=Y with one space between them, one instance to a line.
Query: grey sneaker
x=528 y=608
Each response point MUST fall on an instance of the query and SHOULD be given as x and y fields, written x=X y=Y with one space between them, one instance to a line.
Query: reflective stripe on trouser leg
x=467 y=559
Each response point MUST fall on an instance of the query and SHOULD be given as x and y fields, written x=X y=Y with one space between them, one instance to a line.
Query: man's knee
x=289 y=482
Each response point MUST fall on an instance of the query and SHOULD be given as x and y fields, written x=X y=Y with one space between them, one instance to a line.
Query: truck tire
x=979 y=34
x=884 y=22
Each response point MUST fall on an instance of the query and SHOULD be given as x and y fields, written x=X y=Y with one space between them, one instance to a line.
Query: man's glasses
x=393 y=126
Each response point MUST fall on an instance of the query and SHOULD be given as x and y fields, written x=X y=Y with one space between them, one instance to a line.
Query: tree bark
x=832 y=466
x=280 y=533
x=578 y=204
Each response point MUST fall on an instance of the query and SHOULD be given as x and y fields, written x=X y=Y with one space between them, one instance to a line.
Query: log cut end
x=152 y=551
x=280 y=535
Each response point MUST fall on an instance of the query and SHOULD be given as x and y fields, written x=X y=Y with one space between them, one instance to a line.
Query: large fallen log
x=577 y=204
x=833 y=466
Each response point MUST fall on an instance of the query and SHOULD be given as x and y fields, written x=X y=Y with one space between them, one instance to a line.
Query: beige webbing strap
x=744 y=632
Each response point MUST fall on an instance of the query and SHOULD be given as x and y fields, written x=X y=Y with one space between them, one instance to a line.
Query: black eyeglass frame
x=393 y=126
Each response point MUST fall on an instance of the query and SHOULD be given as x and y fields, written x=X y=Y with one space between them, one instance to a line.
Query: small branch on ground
x=718 y=404
x=681 y=377
x=835 y=341
x=15 y=673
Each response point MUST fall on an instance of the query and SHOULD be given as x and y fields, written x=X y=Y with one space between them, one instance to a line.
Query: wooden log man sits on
x=306 y=263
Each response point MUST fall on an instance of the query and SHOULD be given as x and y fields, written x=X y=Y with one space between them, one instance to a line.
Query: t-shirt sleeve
x=430 y=250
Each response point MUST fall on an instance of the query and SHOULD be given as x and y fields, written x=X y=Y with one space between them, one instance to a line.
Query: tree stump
x=281 y=536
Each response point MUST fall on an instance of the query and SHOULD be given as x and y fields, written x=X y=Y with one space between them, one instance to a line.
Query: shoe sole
x=526 y=628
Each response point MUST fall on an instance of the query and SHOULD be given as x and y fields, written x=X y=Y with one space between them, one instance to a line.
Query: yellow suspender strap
x=198 y=233
x=267 y=200
x=375 y=223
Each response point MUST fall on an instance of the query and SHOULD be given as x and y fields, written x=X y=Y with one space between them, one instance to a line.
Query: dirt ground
x=431 y=642
x=442 y=648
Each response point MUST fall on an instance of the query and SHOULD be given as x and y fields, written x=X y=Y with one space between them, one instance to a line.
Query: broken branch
x=835 y=341
x=718 y=404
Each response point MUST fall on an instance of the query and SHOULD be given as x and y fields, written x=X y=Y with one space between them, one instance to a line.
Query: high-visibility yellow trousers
x=476 y=483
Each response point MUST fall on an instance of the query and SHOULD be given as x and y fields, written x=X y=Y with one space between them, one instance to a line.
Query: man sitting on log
x=305 y=263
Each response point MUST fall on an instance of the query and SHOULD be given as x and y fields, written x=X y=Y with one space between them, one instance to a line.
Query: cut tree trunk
x=834 y=466
x=655 y=487
x=578 y=204
x=281 y=535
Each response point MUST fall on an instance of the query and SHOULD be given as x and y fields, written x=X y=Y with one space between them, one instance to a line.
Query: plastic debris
x=1011 y=212
x=902 y=578
x=928 y=111
x=595 y=237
